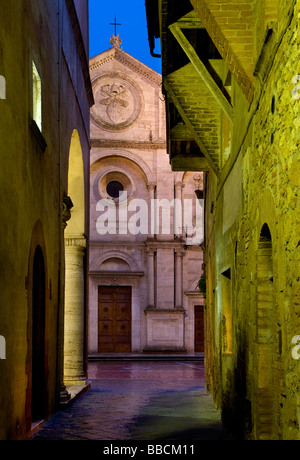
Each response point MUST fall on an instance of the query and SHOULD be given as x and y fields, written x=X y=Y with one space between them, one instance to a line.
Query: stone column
x=64 y=395
x=178 y=211
x=74 y=311
x=179 y=254
x=151 y=278
x=151 y=215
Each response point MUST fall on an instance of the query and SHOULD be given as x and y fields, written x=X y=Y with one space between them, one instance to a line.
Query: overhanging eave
x=168 y=88
x=201 y=70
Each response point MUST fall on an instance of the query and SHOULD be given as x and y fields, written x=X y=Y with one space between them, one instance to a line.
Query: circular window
x=114 y=185
x=114 y=189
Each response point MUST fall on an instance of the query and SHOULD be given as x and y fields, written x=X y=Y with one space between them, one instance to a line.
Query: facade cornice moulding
x=161 y=244
x=116 y=274
x=137 y=145
x=121 y=244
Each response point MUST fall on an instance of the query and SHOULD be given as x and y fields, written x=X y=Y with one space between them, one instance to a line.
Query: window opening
x=36 y=97
x=114 y=189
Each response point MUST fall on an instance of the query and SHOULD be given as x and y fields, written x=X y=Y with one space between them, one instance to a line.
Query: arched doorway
x=38 y=392
x=37 y=398
x=264 y=336
x=75 y=245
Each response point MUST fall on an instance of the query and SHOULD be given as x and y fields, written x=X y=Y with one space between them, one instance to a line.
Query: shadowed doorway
x=38 y=402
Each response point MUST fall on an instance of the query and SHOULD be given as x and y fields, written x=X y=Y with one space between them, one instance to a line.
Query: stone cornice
x=127 y=60
x=99 y=143
x=194 y=294
x=153 y=244
x=75 y=242
x=151 y=309
x=121 y=244
x=116 y=274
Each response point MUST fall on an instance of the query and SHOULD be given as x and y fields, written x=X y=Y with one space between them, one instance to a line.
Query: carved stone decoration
x=115 y=41
x=66 y=215
x=115 y=282
x=118 y=102
x=114 y=98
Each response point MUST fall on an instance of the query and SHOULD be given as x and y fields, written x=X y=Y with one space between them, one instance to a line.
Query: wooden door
x=114 y=319
x=199 y=328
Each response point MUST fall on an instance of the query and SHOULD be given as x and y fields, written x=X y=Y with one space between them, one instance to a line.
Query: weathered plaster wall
x=33 y=183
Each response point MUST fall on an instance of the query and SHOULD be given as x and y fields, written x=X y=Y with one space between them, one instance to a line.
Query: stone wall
x=257 y=385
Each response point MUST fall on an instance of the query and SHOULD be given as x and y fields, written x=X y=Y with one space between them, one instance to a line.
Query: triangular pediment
x=126 y=60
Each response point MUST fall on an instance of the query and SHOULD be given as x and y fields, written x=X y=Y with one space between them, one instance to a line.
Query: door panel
x=114 y=328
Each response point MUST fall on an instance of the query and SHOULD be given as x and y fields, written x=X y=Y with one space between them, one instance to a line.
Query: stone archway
x=75 y=245
x=95 y=157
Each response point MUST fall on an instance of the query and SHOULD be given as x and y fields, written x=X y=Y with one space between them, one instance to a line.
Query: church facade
x=146 y=222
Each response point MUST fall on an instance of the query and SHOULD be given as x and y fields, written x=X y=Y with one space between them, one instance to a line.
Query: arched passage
x=75 y=244
x=76 y=188
x=265 y=335
x=37 y=358
x=38 y=402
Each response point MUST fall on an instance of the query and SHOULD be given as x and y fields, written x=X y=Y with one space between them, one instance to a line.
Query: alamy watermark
x=296 y=349
x=2 y=87
x=296 y=89
x=2 y=347
x=162 y=216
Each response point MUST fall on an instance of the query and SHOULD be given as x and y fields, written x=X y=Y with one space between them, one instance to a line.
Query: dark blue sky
x=133 y=31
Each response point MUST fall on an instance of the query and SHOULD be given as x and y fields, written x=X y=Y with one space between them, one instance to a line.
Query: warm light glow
x=36 y=97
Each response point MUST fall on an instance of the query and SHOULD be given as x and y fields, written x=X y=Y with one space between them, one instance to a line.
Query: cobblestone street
x=146 y=400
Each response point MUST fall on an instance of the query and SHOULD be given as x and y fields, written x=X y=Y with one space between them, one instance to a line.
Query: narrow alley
x=150 y=247
x=139 y=400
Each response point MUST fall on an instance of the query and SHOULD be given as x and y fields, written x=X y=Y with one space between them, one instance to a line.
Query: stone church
x=146 y=221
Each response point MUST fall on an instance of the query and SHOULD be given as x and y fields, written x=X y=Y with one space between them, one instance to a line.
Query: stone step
x=146 y=357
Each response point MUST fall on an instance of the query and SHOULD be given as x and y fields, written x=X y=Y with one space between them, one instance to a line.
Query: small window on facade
x=36 y=97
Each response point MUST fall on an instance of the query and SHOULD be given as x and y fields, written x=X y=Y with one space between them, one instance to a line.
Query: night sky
x=133 y=29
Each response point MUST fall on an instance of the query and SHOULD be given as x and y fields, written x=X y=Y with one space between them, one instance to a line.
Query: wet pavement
x=145 y=400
